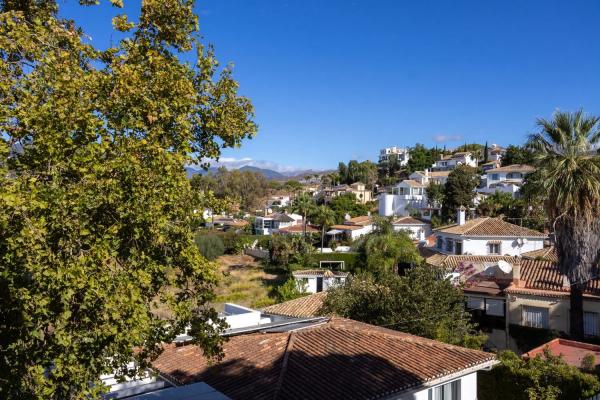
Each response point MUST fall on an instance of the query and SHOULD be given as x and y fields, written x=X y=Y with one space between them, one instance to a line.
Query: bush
x=210 y=246
x=291 y=290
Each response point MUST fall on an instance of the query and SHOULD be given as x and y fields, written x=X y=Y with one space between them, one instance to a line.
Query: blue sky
x=338 y=80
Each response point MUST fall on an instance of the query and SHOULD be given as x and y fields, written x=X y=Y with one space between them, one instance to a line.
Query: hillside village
x=139 y=260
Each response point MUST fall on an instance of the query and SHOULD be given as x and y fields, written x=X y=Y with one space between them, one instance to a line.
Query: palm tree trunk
x=578 y=248
x=304 y=225
x=322 y=237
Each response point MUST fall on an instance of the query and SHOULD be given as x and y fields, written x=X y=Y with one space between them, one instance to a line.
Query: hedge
x=351 y=260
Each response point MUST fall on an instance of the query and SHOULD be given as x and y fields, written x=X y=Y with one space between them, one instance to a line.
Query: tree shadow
x=298 y=375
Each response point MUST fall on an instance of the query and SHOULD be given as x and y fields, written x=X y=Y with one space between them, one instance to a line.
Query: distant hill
x=267 y=173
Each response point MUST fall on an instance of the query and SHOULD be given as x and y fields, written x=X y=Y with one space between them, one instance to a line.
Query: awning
x=334 y=232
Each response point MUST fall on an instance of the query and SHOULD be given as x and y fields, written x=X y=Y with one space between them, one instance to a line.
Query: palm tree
x=324 y=216
x=303 y=204
x=569 y=176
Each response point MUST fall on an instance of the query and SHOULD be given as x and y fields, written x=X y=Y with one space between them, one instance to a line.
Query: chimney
x=461 y=215
x=516 y=271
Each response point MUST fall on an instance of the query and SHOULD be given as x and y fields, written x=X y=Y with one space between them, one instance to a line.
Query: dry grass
x=245 y=282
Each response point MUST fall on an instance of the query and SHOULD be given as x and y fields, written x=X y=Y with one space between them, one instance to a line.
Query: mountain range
x=267 y=173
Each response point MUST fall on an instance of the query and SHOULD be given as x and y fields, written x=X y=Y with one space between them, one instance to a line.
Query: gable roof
x=547 y=253
x=299 y=228
x=362 y=361
x=513 y=168
x=346 y=227
x=488 y=226
x=434 y=174
x=303 y=307
x=320 y=272
x=543 y=278
x=408 y=221
x=412 y=183
x=362 y=220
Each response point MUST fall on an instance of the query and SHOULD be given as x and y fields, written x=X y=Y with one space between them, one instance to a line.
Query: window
x=591 y=322
x=449 y=245
x=440 y=242
x=475 y=303
x=495 y=177
x=449 y=391
x=493 y=248
x=494 y=307
x=535 y=317
x=458 y=248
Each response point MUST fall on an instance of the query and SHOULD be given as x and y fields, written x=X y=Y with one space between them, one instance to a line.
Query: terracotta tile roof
x=453 y=261
x=514 y=168
x=306 y=306
x=408 y=221
x=548 y=253
x=346 y=227
x=339 y=359
x=543 y=278
x=361 y=220
x=299 y=229
x=571 y=351
x=434 y=174
x=320 y=272
x=488 y=226
x=461 y=154
x=412 y=183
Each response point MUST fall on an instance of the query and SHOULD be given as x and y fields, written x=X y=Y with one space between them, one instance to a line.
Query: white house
x=319 y=280
x=270 y=224
x=452 y=161
x=487 y=236
x=406 y=195
x=280 y=200
x=495 y=152
x=358 y=189
x=330 y=358
x=507 y=179
x=416 y=228
x=353 y=228
x=402 y=155
x=427 y=177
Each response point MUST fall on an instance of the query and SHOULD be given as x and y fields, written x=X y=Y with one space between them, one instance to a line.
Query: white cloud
x=447 y=138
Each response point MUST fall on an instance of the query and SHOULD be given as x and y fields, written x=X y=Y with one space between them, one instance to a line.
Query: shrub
x=291 y=290
x=210 y=246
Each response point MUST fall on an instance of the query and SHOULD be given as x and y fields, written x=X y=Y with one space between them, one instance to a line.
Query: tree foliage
x=97 y=212
x=347 y=204
x=568 y=175
x=418 y=302
x=459 y=189
x=546 y=377
x=365 y=172
x=210 y=246
x=517 y=155
x=248 y=189
x=422 y=158
x=290 y=290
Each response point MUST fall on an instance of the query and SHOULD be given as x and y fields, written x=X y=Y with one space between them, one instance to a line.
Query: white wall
x=414 y=231
x=311 y=286
x=478 y=247
x=395 y=205
x=468 y=387
x=356 y=233
x=240 y=317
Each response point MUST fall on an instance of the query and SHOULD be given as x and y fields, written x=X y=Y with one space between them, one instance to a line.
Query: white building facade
x=487 y=236
x=319 y=280
x=402 y=154
x=452 y=161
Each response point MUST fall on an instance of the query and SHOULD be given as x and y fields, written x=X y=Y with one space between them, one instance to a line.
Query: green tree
x=347 y=204
x=569 y=176
x=384 y=250
x=486 y=156
x=210 y=246
x=325 y=217
x=422 y=158
x=459 y=189
x=517 y=155
x=539 y=378
x=418 y=302
x=435 y=194
x=305 y=205
x=97 y=211
x=290 y=290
